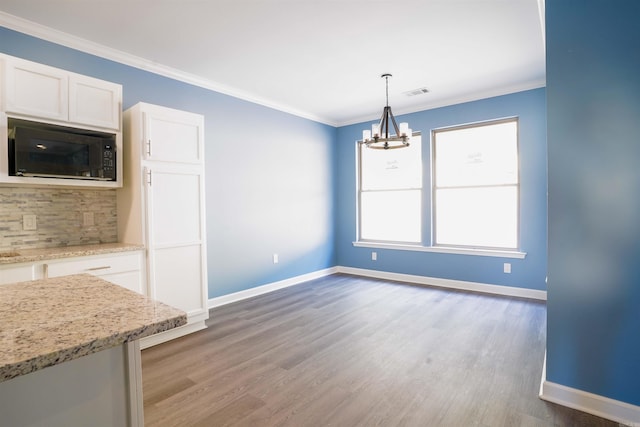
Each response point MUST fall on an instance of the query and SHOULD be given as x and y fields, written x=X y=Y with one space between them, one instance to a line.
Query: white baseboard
x=422 y=280
x=604 y=407
x=269 y=287
x=448 y=283
x=590 y=403
x=171 y=334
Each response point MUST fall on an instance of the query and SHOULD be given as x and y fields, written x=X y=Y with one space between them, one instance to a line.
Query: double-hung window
x=476 y=186
x=390 y=194
x=475 y=191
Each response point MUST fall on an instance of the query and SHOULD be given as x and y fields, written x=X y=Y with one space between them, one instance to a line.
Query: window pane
x=391 y=215
x=392 y=169
x=477 y=217
x=482 y=155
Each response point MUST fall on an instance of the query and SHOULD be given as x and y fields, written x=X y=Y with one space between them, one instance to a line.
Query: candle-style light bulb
x=375 y=130
x=404 y=127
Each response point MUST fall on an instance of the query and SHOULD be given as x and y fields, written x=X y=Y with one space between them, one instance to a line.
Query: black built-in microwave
x=52 y=151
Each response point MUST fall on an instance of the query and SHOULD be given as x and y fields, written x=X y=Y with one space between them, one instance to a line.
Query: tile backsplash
x=59 y=217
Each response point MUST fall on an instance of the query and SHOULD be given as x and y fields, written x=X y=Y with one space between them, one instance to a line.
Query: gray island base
x=69 y=351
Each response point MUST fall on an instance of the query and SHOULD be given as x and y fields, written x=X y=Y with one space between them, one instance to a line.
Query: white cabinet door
x=173 y=136
x=94 y=102
x=176 y=238
x=36 y=90
x=162 y=206
x=44 y=92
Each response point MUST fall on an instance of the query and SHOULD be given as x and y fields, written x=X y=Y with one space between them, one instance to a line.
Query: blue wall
x=277 y=183
x=530 y=272
x=269 y=175
x=593 y=95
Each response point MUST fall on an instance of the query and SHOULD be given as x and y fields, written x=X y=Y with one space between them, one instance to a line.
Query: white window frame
x=359 y=149
x=436 y=187
x=515 y=253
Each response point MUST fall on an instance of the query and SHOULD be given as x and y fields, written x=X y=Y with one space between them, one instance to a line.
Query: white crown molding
x=55 y=36
x=51 y=35
x=447 y=102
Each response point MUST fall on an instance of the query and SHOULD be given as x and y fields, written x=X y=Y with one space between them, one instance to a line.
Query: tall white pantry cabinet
x=162 y=206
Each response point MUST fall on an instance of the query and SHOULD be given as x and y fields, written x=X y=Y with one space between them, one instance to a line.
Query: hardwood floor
x=350 y=351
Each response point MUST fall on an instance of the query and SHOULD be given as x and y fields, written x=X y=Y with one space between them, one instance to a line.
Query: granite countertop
x=33 y=255
x=50 y=321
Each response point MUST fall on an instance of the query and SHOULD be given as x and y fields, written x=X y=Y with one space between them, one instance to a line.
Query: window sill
x=443 y=250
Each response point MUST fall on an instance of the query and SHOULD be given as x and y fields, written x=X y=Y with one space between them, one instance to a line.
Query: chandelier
x=379 y=137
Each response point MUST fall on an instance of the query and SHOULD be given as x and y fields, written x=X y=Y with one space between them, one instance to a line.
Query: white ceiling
x=320 y=59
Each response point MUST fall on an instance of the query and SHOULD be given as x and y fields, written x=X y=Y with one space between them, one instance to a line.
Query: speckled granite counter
x=33 y=255
x=47 y=322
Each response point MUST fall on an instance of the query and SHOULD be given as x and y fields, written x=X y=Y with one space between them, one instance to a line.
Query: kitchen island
x=69 y=351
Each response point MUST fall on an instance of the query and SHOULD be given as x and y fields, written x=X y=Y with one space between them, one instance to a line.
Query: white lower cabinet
x=161 y=206
x=125 y=269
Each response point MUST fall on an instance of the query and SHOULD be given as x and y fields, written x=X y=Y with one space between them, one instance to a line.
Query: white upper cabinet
x=36 y=90
x=94 y=102
x=43 y=92
x=174 y=136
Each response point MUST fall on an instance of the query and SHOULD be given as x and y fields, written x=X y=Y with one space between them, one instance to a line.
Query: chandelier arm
x=385 y=129
x=395 y=125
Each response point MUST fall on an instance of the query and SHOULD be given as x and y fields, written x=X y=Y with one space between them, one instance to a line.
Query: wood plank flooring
x=350 y=351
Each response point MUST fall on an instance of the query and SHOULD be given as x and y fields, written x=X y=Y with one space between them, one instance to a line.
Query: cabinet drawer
x=97 y=265
x=13 y=274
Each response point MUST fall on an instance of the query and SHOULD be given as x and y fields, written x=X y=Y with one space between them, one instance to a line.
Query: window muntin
x=476 y=185
x=390 y=193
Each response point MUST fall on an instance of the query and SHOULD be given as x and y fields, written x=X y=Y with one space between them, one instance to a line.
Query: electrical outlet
x=29 y=222
x=87 y=219
x=507 y=267
x=275 y=258
x=374 y=256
